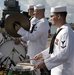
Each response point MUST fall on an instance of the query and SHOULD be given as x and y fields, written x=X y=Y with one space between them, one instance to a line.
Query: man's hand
x=17 y=26
x=40 y=64
x=17 y=41
x=37 y=56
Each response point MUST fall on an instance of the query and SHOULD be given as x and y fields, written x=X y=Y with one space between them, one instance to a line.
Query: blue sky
x=48 y=4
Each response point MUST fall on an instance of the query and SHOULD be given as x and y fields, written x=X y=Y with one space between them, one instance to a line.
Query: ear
x=59 y=16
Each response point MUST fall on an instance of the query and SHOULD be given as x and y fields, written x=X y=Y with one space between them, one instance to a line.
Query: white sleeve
x=21 y=31
x=41 y=28
x=45 y=53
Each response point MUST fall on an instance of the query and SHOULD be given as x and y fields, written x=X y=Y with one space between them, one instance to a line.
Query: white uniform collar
x=41 y=19
x=62 y=26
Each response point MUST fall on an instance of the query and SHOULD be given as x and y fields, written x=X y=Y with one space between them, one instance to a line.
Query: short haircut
x=63 y=14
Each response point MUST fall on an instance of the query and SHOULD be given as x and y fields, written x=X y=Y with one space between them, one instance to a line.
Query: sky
x=48 y=4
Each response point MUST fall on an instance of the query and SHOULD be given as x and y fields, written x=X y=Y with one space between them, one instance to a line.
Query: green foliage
x=72 y=25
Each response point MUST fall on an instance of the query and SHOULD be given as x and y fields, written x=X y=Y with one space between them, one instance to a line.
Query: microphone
x=12 y=62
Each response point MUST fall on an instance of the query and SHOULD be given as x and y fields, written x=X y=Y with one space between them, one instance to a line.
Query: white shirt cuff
x=22 y=31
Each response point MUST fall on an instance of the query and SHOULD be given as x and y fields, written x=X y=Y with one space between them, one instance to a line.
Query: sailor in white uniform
x=38 y=37
x=61 y=58
x=33 y=19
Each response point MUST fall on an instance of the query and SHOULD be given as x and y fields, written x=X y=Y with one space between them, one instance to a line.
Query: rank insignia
x=63 y=44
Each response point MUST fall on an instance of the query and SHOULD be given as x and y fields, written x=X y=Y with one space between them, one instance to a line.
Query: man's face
x=36 y=13
x=54 y=18
x=30 y=12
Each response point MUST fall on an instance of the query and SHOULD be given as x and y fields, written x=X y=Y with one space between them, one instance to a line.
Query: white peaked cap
x=30 y=6
x=59 y=9
x=39 y=6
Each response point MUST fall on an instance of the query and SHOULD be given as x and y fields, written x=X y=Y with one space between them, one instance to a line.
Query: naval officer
x=38 y=37
x=60 y=58
x=32 y=18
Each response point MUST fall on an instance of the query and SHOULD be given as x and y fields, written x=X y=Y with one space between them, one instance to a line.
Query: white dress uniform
x=61 y=61
x=37 y=39
x=33 y=21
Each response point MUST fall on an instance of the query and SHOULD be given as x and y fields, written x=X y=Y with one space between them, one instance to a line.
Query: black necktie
x=30 y=18
x=32 y=28
x=52 y=41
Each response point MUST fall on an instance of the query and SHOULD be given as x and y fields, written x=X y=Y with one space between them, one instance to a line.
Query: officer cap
x=39 y=6
x=31 y=7
x=59 y=9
